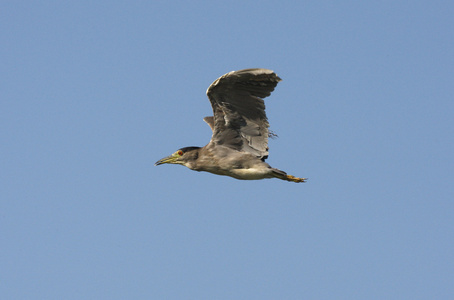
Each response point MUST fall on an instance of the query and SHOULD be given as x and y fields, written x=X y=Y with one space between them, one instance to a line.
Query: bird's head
x=185 y=156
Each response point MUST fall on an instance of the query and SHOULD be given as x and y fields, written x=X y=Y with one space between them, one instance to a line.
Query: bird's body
x=222 y=160
x=239 y=144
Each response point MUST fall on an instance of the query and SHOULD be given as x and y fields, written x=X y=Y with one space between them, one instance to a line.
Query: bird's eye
x=180 y=153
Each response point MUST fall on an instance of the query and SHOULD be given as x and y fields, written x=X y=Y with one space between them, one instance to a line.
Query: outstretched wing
x=240 y=121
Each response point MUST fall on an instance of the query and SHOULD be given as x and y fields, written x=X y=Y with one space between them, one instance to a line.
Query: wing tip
x=251 y=71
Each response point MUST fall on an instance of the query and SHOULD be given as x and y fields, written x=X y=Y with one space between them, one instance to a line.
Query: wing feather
x=240 y=120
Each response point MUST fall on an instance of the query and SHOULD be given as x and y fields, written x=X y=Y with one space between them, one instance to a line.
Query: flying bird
x=239 y=144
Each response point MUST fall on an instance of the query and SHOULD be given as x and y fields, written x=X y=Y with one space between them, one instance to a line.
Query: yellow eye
x=180 y=153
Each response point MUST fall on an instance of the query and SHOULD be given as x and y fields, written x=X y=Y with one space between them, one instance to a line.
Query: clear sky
x=92 y=93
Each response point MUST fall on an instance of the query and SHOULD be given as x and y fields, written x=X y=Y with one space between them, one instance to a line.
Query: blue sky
x=94 y=92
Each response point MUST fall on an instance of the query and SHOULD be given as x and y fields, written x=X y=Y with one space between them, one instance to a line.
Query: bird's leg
x=295 y=179
x=284 y=176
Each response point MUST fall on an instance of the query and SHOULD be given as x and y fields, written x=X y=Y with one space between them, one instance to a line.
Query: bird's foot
x=295 y=179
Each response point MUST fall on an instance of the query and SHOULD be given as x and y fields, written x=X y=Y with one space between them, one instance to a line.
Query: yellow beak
x=167 y=160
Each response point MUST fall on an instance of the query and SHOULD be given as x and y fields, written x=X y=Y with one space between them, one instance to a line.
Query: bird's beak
x=167 y=160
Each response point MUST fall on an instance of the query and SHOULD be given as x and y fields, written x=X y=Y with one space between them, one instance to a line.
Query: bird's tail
x=284 y=176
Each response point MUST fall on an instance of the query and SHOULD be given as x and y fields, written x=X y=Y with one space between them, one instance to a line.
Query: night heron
x=239 y=144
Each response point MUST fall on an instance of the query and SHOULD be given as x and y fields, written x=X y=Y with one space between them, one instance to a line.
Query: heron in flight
x=239 y=144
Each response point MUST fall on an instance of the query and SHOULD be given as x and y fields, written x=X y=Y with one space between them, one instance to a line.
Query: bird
x=239 y=143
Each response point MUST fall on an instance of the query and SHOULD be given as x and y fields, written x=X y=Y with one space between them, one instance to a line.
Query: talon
x=295 y=179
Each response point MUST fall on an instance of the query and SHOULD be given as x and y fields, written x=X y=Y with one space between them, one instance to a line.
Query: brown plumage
x=239 y=144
